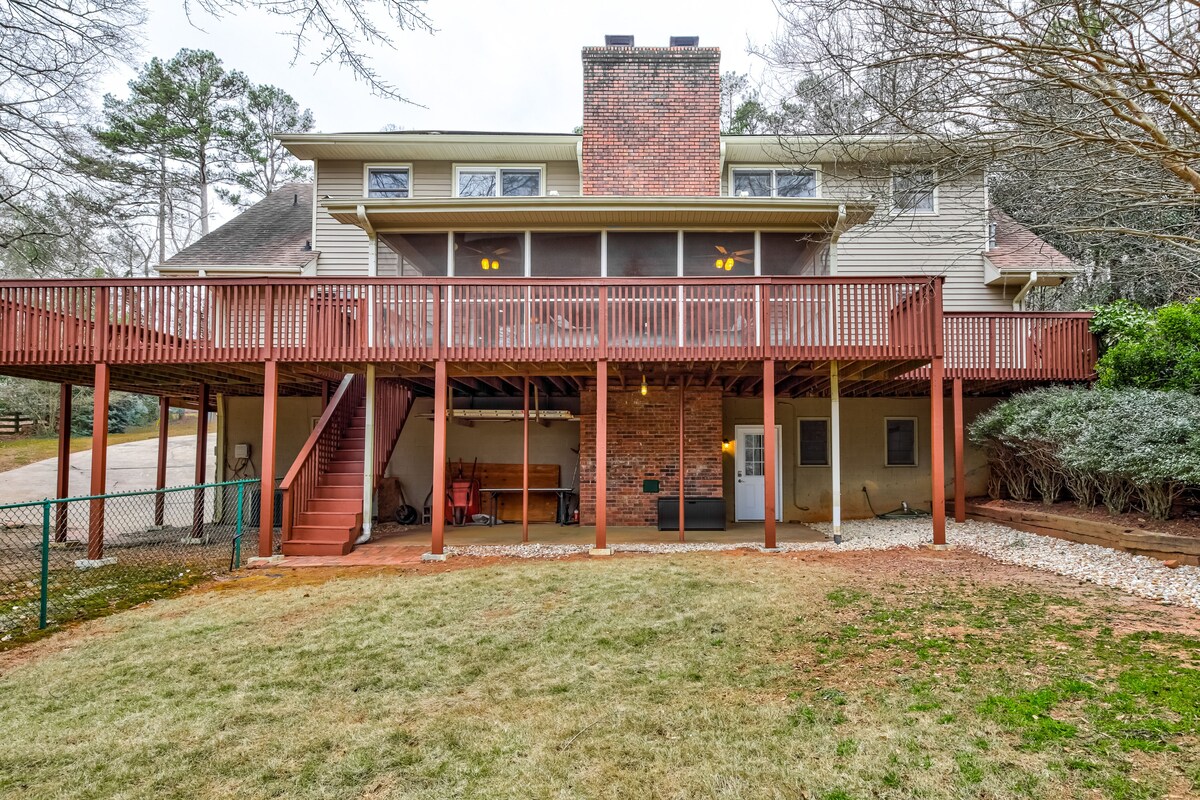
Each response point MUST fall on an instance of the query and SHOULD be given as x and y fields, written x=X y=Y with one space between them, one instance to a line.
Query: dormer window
x=499 y=181
x=767 y=182
x=387 y=181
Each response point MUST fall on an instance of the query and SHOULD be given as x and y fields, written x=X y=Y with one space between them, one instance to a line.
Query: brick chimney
x=651 y=120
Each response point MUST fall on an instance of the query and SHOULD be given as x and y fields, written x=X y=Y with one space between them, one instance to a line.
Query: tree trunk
x=203 y=194
x=162 y=209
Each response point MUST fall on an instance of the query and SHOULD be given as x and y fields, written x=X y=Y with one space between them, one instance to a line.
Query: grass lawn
x=19 y=452
x=883 y=675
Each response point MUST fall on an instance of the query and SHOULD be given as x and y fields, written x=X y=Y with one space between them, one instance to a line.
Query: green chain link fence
x=72 y=558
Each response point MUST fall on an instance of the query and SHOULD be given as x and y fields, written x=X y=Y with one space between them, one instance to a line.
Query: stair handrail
x=306 y=470
x=393 y=402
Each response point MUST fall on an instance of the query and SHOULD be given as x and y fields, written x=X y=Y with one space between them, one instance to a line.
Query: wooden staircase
x=323 y=491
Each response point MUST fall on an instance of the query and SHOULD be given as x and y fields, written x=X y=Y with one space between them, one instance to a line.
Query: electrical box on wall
x=241 y=451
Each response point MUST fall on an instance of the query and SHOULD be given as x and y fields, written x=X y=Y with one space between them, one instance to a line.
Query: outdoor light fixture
x=488 y=264
x=645 y=388
x=725 y=264
x=727 y=446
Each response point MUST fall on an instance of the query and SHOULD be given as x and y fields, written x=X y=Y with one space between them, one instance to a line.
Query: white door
x=749 y=460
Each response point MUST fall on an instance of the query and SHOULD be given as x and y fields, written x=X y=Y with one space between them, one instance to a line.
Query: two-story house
x=650 y=323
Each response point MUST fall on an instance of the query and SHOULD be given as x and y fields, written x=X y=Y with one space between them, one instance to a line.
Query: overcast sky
x=499 y=65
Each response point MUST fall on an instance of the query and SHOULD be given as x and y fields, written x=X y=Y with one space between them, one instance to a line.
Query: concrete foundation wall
x=807 y=496
x=243 y=423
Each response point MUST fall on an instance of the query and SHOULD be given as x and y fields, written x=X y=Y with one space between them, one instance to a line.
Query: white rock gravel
x=1137 y=575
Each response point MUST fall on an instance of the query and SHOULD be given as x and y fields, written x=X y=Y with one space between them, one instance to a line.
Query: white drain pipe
x=368 y=458
x=835 y=449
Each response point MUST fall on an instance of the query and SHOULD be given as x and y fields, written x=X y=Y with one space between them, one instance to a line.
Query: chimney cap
x=685 y=41
x=618 y=40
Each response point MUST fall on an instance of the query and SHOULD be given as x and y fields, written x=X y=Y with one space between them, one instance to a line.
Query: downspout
x=368 y=458
x=839 y=227
x=1019 y=300
x=368 y=506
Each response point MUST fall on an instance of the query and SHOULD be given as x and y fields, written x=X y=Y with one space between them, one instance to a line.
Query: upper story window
x=387 y=181
x=765 y=182
x=914 y=190
x=498 y=181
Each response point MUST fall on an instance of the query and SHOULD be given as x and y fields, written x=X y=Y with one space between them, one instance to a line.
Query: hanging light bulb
x=645 y=388
x=484 y=263
x=720 y=263
x=728 y=264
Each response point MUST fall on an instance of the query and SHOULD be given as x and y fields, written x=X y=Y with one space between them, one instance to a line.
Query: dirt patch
x=1187 y=525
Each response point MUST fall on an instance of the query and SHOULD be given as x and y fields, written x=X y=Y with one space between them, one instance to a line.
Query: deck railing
x=318 y=451
x=1016 y=345
x=496 y=319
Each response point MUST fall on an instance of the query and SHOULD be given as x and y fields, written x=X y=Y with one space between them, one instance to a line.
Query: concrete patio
x=397 y=545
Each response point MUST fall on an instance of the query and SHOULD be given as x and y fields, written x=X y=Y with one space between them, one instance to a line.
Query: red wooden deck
x=306 y=321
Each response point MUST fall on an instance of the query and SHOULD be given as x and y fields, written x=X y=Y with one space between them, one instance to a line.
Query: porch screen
x=411 y=255
x=643 y=254
x=565 y=255
x=794 y=254
x=489 y=255
x=714 y=255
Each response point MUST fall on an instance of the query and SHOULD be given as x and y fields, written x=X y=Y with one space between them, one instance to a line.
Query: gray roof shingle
x=1020 y=249
x=274 y=232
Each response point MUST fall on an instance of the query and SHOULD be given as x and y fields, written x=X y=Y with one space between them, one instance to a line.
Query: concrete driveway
x=131 y=467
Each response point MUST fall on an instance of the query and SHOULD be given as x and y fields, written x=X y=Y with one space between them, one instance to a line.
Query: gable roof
x=1019 y=249
x=274 y=233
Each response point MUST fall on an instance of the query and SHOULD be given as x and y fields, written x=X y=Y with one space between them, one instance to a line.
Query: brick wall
x=643 y=443
x=651 y=121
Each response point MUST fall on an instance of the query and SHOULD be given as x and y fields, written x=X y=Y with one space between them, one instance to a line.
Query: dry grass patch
x=685 y=676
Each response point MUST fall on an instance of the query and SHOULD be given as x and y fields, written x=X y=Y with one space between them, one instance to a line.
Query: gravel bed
x=1137 y=575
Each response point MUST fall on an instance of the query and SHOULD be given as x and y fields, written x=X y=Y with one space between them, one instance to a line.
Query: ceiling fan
x=490 y=257
x=727 y=258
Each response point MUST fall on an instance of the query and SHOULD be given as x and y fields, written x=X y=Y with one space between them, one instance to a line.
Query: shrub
x=1101 y=445
x=1149 y=350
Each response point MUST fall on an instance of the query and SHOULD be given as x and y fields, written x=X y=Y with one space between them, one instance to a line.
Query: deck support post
x=63 y=487
x=368 y=501
x=601 y=547
x=160 y=472
x=525 y=468
x=769 y=542
x=201 y=461
x=438 y=511
x=960 y=481
x=682 y=507
x=835 y=450
x=937 y=449
x=266 y=498
x=99 y=463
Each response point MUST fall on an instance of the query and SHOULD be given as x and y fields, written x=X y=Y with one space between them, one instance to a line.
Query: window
x=901 y=435
x=387 y=181
x=707 y=255
x=643 y=254
x=914 y=191
x=499 y=181
x=774 y=183
x=812 y=447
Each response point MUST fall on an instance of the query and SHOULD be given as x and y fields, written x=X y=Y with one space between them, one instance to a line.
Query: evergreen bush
x=1100 y=445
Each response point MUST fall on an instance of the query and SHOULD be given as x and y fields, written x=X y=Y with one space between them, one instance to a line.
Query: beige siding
x=563 y=177
x=950 y=242
x=344 y=247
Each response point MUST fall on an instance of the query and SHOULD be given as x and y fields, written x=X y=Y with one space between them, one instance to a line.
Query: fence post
x=237 y=529
x=43 y=601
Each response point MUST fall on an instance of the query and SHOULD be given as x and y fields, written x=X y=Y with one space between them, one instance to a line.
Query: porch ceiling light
x=645 y=388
